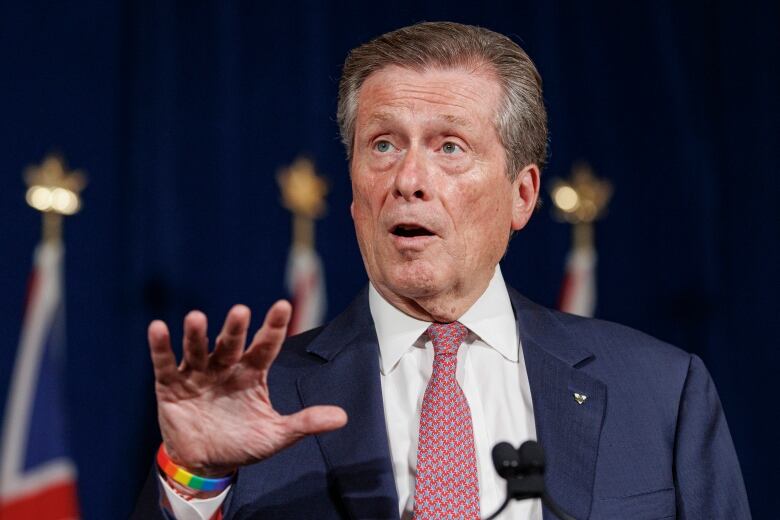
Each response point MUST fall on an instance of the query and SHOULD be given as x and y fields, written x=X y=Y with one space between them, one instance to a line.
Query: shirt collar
x=491 y=318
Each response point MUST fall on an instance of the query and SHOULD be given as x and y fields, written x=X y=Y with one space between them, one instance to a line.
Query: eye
x=451 y=148
x=383 y=146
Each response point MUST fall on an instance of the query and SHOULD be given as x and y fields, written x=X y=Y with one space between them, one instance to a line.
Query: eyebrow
x=456 y=120
x=379 y=117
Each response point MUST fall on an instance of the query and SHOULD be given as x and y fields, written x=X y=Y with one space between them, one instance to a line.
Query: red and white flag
x=306 y=284
x=37 y=475
x=578 y=292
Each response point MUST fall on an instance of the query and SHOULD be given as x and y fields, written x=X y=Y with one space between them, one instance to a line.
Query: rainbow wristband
x=185 y=478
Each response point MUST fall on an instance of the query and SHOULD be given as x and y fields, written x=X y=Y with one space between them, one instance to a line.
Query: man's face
x=432 y=203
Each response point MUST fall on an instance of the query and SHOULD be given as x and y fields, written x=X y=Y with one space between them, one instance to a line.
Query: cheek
x=364 y=213
x=368 y=194
x=361 y=203
x=486 y=219
x=477 y=205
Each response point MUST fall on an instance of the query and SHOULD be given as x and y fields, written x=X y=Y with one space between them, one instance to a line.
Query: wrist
x=187 y=493
x=202 y=470
x=200 y=483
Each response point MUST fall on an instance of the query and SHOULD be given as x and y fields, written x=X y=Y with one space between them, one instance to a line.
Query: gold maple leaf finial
x=583 y=198
x=51 y=188
x=55 y=192
x=580 y=201
x=303 y=191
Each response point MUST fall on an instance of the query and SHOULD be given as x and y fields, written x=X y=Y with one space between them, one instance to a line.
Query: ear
x=525 y=193
x=352 y=209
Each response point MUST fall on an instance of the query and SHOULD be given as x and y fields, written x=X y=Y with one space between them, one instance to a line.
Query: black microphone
x=531 y=457
x=506 y=460
x=523 y=469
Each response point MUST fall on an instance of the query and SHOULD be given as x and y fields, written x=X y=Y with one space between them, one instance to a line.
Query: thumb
x=317 y=419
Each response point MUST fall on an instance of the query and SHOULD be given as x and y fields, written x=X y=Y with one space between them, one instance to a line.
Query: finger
x=230 y=342
x=268 y=340
x=196 y=343
x=163 y=360
x=316 y=419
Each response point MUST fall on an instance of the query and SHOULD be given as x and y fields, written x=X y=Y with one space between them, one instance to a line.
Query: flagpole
x=45 y=490
x=581 y=200
x=303 y=194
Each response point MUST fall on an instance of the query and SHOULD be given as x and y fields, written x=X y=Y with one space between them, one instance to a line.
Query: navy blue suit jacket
x=650 y=441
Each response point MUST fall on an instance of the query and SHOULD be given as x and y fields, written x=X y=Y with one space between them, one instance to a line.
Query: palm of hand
x=215 y=410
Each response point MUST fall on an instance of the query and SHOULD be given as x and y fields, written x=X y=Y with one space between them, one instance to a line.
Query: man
x=392 y=409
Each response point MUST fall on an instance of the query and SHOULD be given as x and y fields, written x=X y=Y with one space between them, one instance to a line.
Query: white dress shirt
x=491 y=372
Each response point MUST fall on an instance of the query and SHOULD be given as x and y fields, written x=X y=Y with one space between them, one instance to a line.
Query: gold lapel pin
x=580 y=398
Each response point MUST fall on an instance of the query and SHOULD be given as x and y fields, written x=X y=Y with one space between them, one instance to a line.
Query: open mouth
x=411 y=230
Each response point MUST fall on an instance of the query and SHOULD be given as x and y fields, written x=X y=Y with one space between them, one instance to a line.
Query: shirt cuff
x=195 y=508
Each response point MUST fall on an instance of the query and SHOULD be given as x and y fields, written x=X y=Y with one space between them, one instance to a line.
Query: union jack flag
x=37 y=476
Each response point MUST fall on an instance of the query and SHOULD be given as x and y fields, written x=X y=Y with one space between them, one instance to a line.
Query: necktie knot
x=447 y=337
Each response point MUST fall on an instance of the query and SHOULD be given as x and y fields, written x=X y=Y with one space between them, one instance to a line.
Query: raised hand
x=214 y=409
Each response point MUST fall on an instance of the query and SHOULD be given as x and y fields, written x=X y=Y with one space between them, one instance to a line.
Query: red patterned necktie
x=447 y=483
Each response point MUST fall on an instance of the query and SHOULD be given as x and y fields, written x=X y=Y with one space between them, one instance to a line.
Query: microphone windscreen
x=531 y=457
x=505 y=459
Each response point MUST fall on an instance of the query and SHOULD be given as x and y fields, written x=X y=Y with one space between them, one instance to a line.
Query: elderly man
x=392 y=409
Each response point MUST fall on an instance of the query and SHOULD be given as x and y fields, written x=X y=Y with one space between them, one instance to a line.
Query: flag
x=578 y=291
x=306 y=285
x=37 y=476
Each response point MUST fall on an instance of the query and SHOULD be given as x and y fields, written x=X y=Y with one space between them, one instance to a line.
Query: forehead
x=465 y=96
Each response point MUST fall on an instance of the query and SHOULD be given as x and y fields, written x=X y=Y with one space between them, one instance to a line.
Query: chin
x=417 y=279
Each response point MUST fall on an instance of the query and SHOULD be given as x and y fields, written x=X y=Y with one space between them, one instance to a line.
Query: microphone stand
x=523 y=470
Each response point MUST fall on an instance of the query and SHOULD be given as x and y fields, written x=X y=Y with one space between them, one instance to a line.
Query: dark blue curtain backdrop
x=182 y=112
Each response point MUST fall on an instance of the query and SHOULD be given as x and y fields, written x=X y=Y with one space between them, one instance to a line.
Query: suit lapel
x=569 y=432
x=358 y=455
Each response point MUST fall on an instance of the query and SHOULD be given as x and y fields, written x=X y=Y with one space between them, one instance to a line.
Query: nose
x=411 y=178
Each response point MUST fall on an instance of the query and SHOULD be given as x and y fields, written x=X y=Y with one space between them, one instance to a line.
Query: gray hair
x=521 y=119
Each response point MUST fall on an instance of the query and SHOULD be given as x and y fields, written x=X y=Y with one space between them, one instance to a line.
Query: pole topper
x=55 y=192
